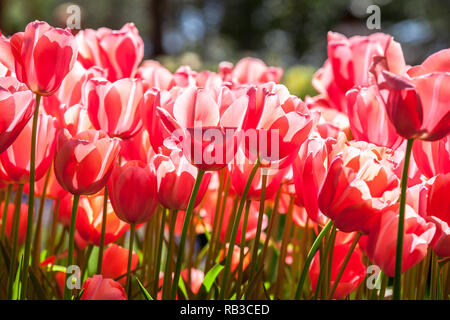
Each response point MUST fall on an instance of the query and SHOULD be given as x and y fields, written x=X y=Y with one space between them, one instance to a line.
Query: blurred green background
x=286 y=33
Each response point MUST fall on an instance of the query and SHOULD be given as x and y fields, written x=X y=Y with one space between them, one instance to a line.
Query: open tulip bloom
x=153 y=184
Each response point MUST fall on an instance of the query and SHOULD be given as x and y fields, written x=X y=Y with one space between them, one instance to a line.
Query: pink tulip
x=16 y=107
x=43 y=56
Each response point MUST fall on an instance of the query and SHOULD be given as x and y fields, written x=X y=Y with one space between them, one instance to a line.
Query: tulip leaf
x=211 y=276
x=17 y=284
x=182 y=287
x=143 y=290
x=78 y=297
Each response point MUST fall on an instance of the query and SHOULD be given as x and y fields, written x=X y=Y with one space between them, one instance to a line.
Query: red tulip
x=309 y=172
x=16 y=107
x=432 y=157
x=6 y=57
x=76 y=119
x=175 y=180
x=240 y=169
x=71 y=90
x=359 y=184
x=253 y=71
x=83 y=163
x=434 y=206
x=368 y=119
x=155 y=75
x=99 y=288
x=114 y=106
x=196 y=279
x=9 y=222
x=137 y=147
x=115 y=261
x=382 y=239
x=117 y=51
x=16 y=159
x=89 y=219
x=417 y=102
x=132 y=190
x=43 y=56
x=348 y=65
x=277 y=127
x=208 y=138
x=353 y=275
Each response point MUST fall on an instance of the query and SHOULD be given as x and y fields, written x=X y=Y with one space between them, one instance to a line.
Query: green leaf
x=17 y=284
x=56 y=268
x=211 y=276
x=182 y=287
x=143 y=290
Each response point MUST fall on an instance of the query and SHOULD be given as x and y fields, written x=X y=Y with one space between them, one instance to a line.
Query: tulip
x=43 y=56
x=115 y=262
x=194 y=277
x=7 y=223
x=83 y=163
x=432 y=157
x=359 y=183
x=117 y=51
x=208 y=139
x=76 y=119
x=309 y=172
x=155 y=75
x=175 y=181
x=382 y=239
x=99 y=288
x=435 y=207
x=89 y=219
x=16 y=107
x=348 y=65
x=368 y=119
x=240 y=169
x=132 y=190
x=16 y=159
x=275 y=131
x=71 y=90
x=137 y=147
x=253 y=71
x=114 y=106
x=352 y=277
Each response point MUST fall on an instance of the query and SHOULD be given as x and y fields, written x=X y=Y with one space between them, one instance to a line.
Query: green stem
x=14 y=233
x=73 y=218
x=237 y=221
x=5 y=210
x=169 y=255
x=241 y=252
x=344 y=265
x=36 y=255
x=159 y=253
x=187 y=221
x=103 y=232
x=309 y=258
x=401 y=223
x=27 y=251
x=254 y=258
x=130 y=256
x=323 y=263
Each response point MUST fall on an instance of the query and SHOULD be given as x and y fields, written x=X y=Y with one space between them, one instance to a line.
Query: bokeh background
x=286 y=33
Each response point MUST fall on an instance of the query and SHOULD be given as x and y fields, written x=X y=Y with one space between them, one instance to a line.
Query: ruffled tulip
x=359 y=183
x=83 y=163
x=43 y=56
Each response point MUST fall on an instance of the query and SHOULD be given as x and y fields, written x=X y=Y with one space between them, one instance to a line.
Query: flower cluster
x=358 y=175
